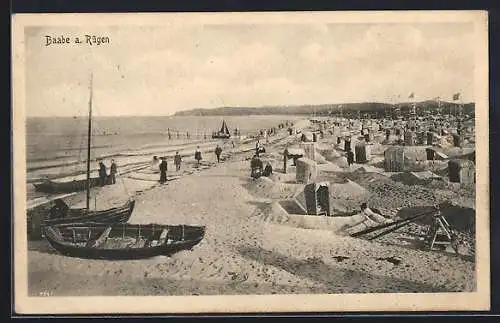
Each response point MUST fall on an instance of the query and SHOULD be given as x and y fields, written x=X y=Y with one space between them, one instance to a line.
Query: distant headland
x=372 y=108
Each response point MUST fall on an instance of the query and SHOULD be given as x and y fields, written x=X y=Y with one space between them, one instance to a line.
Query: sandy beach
x=252 y=244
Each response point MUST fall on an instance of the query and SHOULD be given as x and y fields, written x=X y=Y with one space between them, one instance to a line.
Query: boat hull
x=60 y=243
x=119 y=214
x=52 y=187
x=222 y=136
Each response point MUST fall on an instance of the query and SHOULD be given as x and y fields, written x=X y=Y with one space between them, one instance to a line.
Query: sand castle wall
x=306 y=171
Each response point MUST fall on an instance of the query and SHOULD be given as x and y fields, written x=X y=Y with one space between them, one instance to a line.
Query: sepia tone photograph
x=251 y=162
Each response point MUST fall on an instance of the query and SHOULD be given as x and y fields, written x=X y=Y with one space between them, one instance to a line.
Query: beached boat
x=55 y=187
x=223 y=133
x=122 y=241
x=62 y=213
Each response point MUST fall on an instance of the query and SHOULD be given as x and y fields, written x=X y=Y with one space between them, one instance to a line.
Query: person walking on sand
x=112 y=172
x=177 y=161
x=218 y=151
x=197 y=156
x=102 y=173
x=163 y=170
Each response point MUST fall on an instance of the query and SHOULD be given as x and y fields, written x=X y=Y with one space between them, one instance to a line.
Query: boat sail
x=223 y=133
x=62 y=213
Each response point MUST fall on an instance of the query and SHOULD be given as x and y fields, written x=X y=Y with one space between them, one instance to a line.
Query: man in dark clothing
x=112 y=172
x=218 y=151
x=102 y=173
x=163 y=170
x=59 y=210
x=256 y=167
x=177 y=161
x=350 y=157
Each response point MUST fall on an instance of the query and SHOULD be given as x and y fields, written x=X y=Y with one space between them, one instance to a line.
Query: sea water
x=57 y=147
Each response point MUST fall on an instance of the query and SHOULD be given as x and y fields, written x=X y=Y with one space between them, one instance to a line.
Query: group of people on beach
x=104 y=179
x=178 y=160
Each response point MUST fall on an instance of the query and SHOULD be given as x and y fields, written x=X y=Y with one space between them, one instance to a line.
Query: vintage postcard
x=251 y=162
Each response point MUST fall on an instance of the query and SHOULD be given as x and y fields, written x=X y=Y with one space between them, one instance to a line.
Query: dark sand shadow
x=41 y=246
x=419 y=245
x=117 y=284
x=337 y=279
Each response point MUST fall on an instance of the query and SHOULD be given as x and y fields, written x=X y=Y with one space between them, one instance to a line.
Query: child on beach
x=197 y=155
x=177 y=161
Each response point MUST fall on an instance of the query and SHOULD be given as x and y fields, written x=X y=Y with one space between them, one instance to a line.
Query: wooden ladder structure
x=439 y=231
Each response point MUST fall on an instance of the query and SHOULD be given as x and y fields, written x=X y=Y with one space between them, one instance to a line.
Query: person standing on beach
x=102 y=173
x=197 y=156
x=163 y=170
x=177 y=161
x=350 y=157
x=256 y=167
x=112 y=172
x=218 y=151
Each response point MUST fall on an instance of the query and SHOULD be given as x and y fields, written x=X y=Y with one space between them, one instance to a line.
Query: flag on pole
x=412 y=95
x=456 y=96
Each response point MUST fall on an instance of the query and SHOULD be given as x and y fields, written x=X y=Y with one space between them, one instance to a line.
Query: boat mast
x=88 y=144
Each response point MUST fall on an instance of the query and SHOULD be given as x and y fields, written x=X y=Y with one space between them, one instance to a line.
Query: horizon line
x=246 y=107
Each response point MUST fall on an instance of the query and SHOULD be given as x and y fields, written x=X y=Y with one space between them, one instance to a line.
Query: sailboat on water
x=62 y=213
x=223 y=133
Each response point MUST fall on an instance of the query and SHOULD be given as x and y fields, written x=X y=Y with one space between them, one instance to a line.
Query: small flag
x=412 y=95
x=456 y=96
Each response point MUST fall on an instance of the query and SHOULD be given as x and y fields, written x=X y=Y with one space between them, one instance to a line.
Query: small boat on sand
x=55 y=187
x=223 y=133
x=61 y=213
x=122 y=241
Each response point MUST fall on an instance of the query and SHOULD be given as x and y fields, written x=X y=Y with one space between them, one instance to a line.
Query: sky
x=160 y=70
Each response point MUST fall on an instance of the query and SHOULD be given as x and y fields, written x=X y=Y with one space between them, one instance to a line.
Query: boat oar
x=398 y=226
x=386 y=225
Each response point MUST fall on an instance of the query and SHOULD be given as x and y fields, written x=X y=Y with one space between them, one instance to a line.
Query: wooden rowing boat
x=122 y=241
x=55 y=187
x=62 y=214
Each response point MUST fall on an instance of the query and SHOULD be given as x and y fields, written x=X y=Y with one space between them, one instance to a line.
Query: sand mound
x=348 y=190
x=330 y=154
x=266 y=188
x=319 y=159
x=406 y=178
x=329 y=167
x=276 y=214
x=280 y=177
